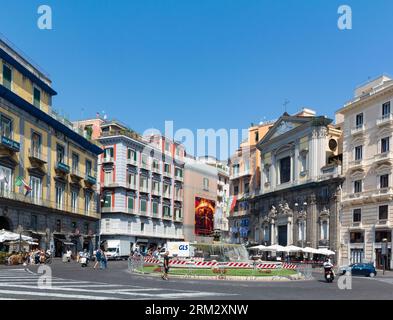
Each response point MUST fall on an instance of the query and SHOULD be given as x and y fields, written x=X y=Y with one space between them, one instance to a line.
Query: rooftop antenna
x=286 y=102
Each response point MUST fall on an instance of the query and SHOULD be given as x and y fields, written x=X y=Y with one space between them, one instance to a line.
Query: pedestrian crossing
x=24 y=284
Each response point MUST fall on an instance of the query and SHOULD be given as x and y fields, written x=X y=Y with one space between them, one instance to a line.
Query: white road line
x=56 y=295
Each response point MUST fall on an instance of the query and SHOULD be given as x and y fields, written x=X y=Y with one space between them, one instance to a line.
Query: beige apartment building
x=366 y=213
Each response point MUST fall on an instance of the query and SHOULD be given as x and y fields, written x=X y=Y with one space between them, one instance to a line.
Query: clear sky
x=203 y=63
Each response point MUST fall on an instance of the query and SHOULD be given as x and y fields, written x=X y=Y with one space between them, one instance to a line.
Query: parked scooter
x=84 y=259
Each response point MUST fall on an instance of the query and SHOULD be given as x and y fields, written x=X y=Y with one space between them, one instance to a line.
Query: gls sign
x=183 y=247
x=179 y=249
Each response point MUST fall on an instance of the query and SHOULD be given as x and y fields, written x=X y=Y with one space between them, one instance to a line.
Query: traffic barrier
x=209 y=264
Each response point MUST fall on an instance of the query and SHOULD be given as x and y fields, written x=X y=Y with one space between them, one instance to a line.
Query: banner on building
x=204 y=216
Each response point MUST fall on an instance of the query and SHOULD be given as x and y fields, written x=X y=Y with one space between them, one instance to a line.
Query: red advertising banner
x=204 y=216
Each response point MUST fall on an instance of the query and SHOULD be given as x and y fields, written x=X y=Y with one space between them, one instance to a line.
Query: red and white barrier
x=210 y=264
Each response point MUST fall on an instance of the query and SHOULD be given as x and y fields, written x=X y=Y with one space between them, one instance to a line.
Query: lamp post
x=20 y=230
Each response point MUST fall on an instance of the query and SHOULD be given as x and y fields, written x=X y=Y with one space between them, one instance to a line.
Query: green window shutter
x=7 y=75
x=130 y=203
x=108 y=201
x=155 y=207
x=37 y=98
x=134 y=155
x=143 y=206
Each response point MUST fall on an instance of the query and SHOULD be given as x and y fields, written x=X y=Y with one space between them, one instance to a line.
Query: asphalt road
x=70 y=281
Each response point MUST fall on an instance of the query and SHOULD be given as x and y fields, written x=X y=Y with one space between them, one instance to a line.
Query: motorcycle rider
x=328 y=266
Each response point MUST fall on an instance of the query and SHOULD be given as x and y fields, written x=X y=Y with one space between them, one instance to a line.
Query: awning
x=12 y=236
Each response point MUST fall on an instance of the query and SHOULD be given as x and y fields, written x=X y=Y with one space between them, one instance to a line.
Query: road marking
x=56 y=295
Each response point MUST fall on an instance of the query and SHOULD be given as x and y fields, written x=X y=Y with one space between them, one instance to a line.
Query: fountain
x=220 y=252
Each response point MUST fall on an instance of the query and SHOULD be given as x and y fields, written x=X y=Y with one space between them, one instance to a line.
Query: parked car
x=359 y=269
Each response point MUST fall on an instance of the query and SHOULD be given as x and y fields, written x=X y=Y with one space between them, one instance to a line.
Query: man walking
x=166 y=266
x=98 y=258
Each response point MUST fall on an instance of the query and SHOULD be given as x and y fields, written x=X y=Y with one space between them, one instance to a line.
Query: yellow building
x=47 y=170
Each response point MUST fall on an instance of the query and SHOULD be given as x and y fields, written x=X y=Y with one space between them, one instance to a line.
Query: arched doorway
x=5 y=224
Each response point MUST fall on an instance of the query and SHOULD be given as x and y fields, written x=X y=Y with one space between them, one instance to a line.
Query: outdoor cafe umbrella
x=12 y=236
x=293 y=248
x=260 y=247
x=326 y=252
x=310 y=250
x=275 y=247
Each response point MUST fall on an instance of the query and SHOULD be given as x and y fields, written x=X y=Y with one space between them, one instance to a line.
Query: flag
x=233 y=204
x=20 y=182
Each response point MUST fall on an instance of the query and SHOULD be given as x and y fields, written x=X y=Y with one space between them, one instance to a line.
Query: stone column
x=296 y=162
x=272 y=233
x=273 y=172
x=312 y=221
x=289 y=233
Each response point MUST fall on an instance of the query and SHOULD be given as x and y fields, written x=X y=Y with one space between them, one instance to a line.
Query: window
x=142 y=227
x=6 y=127
x=36 y=144
x=108 y=176
x=357 y=186
x=383 y=212
x=7 y=76
x=87 y=201
x=235 y=169
x=358 y=153
x=359 y=120
x=145 y=160
x=143 y=205
x=357 y=215
x=34 y=222
x=58 y=225
x=60 y=154
x=302 y=230
x=167 y=168
x=131 y=179
x=75 y=162
x=73 y=226
x=285 y=170
x=383 y=234
x=156 y=186
x=384 y=144
x=88 y=167
x=166 y=211
x=130 y=203
x=37 y=97
x=167 y=190
x=156 y=164
x=357 y=255
x=256 y=136
x=144 y=183
x=386 y=110
x=86 y=228
x=236 y=190
x=356 y=237
x=384 y=181
x=59 y=196
x=324 y=230
x=155 y=207
x=6 y=182
x=247 y=187
x=107 y=200
x=178 y=192
x=36 y=187
x=178 y=213
x=206 y=184
x=131 y=154
x=74 y=200
x=108 y=153
x=178 y=172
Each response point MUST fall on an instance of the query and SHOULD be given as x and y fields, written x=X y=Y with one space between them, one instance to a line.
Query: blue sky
x=203 y=64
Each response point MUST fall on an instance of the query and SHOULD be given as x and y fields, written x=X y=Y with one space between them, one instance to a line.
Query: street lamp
x=20 y=230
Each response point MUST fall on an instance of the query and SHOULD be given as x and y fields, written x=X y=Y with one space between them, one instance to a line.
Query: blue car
x=359 y=269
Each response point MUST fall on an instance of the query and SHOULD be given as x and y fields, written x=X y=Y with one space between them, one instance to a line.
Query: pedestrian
x=104 y=260
x=166 y=266
x=98 y=258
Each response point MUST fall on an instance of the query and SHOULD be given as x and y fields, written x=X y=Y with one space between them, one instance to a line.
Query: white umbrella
x=325 y=252
x=260 y=247
x=11 y=236
x=293 y=248
x=275 y=247
x=309 y=250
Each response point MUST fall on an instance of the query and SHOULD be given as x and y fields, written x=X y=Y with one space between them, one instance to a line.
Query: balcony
x=91 y=179
x=132 y=162
x=156 y=170
x=359 y=129
x=331 y=171
x=237 y=175
x=62 y=168
x=143 y=213
x=111 y=184
x=9 y=144
x=155 y=192
x=108 y=159
x=178 y=219
x=131 y=186
x=386 y=119
x=178 y=197
x=383 y=157
x=143 y=189
x=37 y=157
x=179 y=178
x=166 y=195
x=167 y=217
x=145 y=166
x=356 y=164
x=76 y=175
x=167 y=174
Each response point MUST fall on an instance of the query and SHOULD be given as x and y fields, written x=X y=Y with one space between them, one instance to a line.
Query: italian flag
x=20 y=182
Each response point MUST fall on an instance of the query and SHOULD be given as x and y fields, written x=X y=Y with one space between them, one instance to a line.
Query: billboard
x=179 y=249
x=204 y=216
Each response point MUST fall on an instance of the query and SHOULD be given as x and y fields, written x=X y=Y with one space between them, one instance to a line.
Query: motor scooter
x=329 y=274
x=84 y=261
